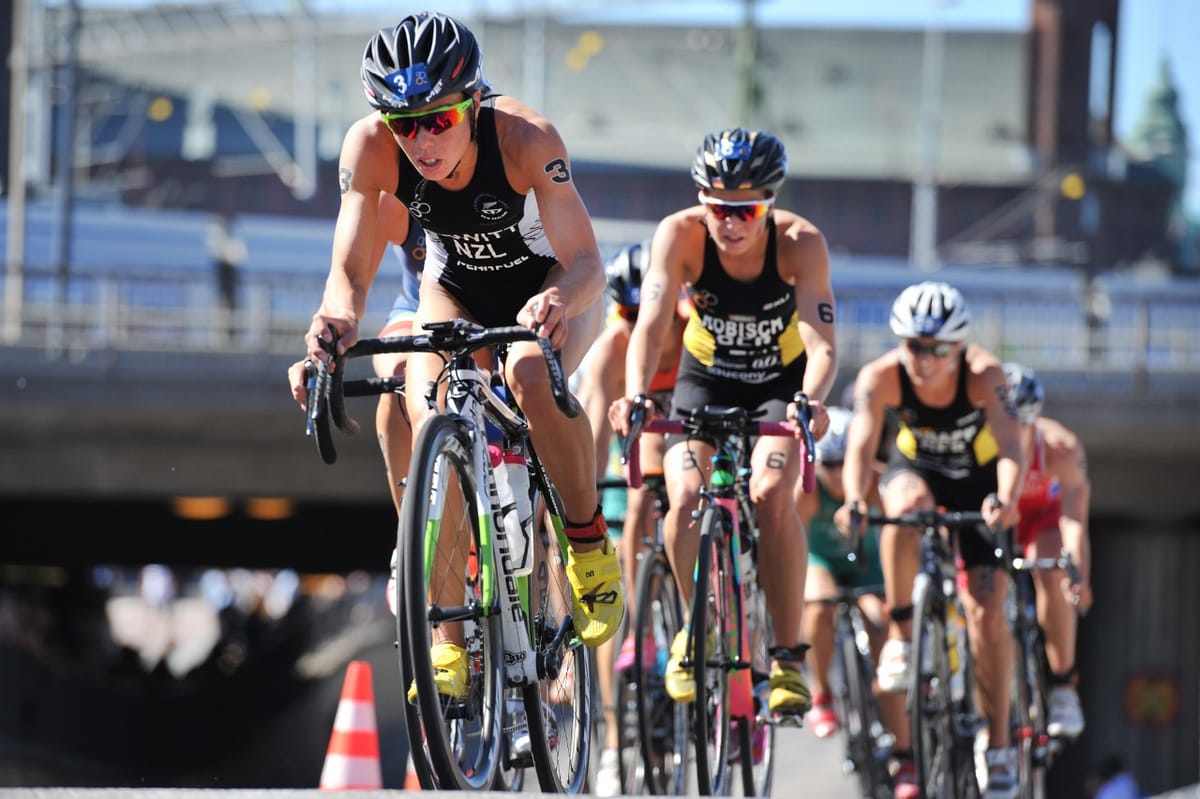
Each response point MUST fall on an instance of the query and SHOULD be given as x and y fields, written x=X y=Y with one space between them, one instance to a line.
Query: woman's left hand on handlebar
x=546 y=315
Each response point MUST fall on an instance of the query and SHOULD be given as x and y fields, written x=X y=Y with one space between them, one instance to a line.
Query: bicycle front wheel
x=1028 y=713
x=860 y=713
x=662 y=732
x=456 y=740
x=930 y=708
x=712 y=611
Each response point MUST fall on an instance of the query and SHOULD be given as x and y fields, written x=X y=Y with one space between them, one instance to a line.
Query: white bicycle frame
x=519 y=661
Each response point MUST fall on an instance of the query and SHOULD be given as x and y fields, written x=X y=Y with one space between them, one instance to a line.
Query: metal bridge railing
x=1148 y=333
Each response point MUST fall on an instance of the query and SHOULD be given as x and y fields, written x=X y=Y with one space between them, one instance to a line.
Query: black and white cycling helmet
x=425 y=57
x=625 y=272
x=931 y=309
x=1026 y=391
x=737 y=159
x=831 y=449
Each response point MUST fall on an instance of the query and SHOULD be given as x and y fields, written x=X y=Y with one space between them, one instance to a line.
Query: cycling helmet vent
x=1026 y=391
x=425 y=57
x=737 y=159
x=931 y=309
x=832 y=446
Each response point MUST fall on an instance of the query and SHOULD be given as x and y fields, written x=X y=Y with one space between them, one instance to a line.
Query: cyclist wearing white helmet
x=509 y=241
x=1054 y=516
x=958 y=443
x=762 y=327
x=829 y=569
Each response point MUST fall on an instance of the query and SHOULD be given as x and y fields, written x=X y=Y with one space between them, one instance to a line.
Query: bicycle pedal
x=788 y=719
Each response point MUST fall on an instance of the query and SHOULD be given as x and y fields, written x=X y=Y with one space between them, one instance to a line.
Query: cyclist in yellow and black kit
x=958 y=444
x=761 y=329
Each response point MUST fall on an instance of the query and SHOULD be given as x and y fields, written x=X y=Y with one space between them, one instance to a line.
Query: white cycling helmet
x=931 y=309
x=1026 y=391
x=832 y=446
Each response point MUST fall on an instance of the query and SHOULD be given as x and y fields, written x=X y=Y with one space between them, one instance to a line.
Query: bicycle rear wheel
x=712 y=611
x=931 y=711
x=559 y=706
x=662 y=723
x=456 y=742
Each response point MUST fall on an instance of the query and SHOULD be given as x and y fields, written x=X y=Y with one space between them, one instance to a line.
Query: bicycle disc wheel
x=662 y=723
x=756 y=736
x=861 y=719
x=931 y=711
x=456 y=741
x=559 y=706
x=711 y=610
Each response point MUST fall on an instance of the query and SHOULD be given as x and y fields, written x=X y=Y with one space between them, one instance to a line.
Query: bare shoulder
x=530 y=144
x=794 y=230
x=680 y=238
x=370 y=156
x=1058 y=438
x=984 y=373
x=879 y=379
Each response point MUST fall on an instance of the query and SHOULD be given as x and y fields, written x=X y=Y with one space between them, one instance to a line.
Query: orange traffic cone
x=411 y=781
x=352 y=761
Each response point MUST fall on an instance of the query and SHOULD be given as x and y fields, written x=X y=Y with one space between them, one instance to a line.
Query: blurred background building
x=169 y=199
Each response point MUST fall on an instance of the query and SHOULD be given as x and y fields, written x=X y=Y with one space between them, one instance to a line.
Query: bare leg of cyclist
x=819 y=609
x=782 y=565
x=899 y=554
x=991 y=648
x=566 y=448
x=1055 y=613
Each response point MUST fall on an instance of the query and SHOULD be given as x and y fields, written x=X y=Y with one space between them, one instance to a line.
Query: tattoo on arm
x=825 y=312
x=652 y=290
x=344 y=180
x=862 y=401
x=558 y=172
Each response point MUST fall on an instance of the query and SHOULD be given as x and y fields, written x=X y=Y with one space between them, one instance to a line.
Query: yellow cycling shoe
x=789 y=692
x=449 y=671
x=681 y=683
x=597 y=600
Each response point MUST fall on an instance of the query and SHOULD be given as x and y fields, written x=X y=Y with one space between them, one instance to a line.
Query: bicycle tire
x=559 y=706
x=711 y=611
x=861 y=717
x=457 y=744
x=662 y=723
x=931 y=711
x=756 y=739
x=1028 y=711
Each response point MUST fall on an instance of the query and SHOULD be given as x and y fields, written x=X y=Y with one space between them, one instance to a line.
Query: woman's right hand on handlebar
x=851 y=517
x=298 y=380
x=328 y=328
x=620 y=414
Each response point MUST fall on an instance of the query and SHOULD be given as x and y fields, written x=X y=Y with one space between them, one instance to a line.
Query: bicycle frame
x=462 y=735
